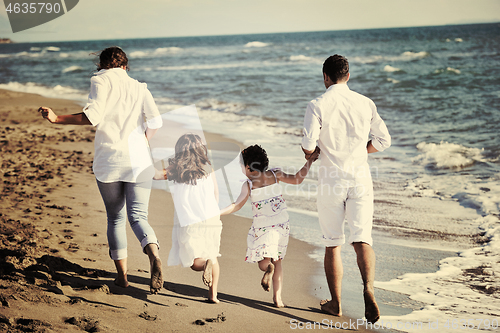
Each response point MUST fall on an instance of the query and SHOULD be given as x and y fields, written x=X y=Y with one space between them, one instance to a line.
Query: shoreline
x=56 y=273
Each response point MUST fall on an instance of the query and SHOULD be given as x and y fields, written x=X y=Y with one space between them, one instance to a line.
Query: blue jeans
x=124 y=199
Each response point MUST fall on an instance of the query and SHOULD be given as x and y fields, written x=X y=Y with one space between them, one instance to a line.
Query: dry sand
x=55 y=272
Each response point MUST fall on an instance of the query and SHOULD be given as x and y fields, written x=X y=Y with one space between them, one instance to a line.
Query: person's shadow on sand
x=54 y=273
x=184 y=291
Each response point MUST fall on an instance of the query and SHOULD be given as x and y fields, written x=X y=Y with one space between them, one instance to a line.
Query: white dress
x=270 y=230
x=197 y=225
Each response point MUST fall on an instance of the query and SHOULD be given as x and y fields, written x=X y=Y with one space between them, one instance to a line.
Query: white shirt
x=195 y=203
x=343 y=122
x=121 y=108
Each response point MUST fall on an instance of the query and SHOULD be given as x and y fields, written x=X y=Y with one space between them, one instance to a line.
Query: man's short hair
x=336 y=67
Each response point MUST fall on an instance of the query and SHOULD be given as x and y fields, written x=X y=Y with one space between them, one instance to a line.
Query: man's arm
x=150 y=133
x=311 y=130
x=370 y=148
x=380 y=137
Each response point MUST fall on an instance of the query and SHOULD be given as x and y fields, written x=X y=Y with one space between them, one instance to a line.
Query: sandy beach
x=55 y=272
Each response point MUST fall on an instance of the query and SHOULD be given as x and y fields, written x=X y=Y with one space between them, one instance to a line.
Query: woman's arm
x=298 y=178
x=69 y=119
x=162 y=174
x=242 y=198
x=216 y=187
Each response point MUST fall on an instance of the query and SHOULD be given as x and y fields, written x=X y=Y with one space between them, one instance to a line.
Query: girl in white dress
x=197 y=225
x=267 y=238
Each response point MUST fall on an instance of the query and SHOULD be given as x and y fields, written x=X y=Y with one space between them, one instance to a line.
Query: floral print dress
x=268 y=235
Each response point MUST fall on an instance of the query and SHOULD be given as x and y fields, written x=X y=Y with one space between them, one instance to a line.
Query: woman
x=118 y=106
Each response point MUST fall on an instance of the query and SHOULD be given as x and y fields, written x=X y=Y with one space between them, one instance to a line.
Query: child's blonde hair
x=190 y=160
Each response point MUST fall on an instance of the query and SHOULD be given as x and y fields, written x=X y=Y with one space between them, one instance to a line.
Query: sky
x=118 y=19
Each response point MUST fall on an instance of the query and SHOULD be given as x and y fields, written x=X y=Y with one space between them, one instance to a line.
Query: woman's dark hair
x=336 y=67
x=112 y=57
x=190 y=160
x=256 y=158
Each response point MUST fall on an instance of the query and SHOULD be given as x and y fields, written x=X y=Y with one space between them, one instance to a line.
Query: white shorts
x=339 y=201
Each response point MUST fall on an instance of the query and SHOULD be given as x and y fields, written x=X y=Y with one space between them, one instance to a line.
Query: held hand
x=315 y=155
x=48 y=114
x=159 y=174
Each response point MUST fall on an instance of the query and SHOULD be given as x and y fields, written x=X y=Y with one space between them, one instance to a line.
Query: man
x=347 y=127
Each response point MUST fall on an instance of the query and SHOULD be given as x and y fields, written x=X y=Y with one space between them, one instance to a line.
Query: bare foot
x=121 y=282
x=268 y=277
x=372 y=313
x=329 y=307
x=207 y=273
x=279 y=304
x=156 y=276
x=213 y=300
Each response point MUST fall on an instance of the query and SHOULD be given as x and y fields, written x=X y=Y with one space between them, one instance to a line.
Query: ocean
x=437 y=186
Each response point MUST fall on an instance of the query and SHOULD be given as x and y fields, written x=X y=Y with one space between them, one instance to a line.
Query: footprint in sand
x=221 y=317
x=87 y=324
x=31 y=325
x=147 y=316
x=4 y=302
x=181 y=305
x=99 y=288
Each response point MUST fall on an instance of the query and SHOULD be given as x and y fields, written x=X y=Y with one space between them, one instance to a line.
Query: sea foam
x=300 y=57
x=465 y=286
x=52 y=49
x=72 y=69
x=447 y=155
x=393 y=80
x=158 y=52
x=164 y=50
x=254 y=64
x=256 y=44
x=57 y=91
x=403 y=57
x=453 y=70
x=410 y=56
x=390 y=69
x=462 y=288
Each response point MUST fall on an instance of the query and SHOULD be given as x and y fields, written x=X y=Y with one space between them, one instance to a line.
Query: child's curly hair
x=256 y=158
x=190 y=160
x=112 y=57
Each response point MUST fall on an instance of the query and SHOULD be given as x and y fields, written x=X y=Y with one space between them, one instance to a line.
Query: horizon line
x=250 y=34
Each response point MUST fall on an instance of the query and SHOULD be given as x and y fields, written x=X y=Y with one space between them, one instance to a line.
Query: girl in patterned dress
x=267 y=239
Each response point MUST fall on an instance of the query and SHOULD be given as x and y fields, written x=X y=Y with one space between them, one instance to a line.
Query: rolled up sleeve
x=312 y=127
x=151 y=112
x=381 y=139
x=96 y=105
